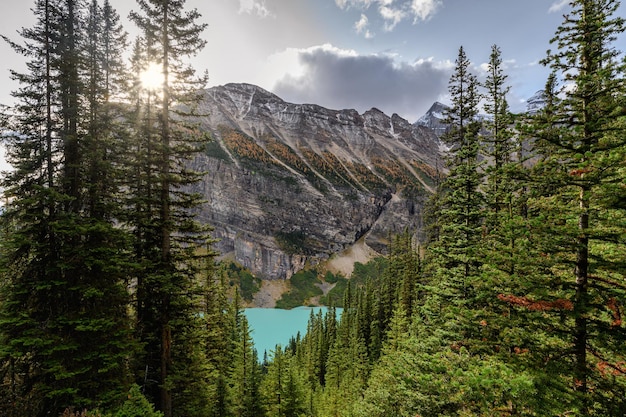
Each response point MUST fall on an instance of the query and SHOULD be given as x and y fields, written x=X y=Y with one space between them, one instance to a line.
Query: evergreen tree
x=453 y=263
x=461 y=214
x=64 y=316
x=169 y=235
x=283 y=386
x=580 y=146
x=498 y=141
x=245 y=377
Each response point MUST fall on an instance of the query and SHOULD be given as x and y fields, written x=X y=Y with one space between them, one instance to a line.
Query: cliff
x=291 y=184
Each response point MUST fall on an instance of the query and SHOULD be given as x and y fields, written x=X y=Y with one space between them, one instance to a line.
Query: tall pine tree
x=64 y=312
x=171 y=237
x=580 y=150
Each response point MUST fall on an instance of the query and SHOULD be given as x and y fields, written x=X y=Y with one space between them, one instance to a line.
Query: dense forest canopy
x=112 y=302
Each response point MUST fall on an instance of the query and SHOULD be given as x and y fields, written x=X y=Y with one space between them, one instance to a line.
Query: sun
x=152 y=77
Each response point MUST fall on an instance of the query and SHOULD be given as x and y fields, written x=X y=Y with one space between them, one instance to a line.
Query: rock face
x=289 y=185
x=536 y=103
x=434 y=118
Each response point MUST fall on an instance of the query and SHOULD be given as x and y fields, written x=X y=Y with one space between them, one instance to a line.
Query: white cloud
x=4 y=164
x=361 y=27
x=424 y=9
x=257 y=7
x=507 y=64
x=364 y=4
x=558 y=6
x=395 y=11
x=392 y=16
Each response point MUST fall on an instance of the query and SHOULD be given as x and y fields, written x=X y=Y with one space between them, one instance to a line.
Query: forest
x=112 y=303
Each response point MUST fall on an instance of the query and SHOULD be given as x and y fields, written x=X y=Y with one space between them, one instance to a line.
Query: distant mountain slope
x=291 y=184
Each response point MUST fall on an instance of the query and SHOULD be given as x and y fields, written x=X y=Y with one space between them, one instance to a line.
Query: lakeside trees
x=518 y=303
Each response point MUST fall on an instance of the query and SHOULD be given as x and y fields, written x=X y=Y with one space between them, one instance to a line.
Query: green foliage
x=515 y=307
x=247 y=283
x=136 y=405
x=214 y=150
x=331 y=278
x=416 y=380
x=335 y=295
x=361 y=274
x=302 y=287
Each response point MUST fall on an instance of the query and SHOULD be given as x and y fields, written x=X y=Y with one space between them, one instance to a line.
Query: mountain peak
x=434 y=118
x=295 y=183
x=535 y=103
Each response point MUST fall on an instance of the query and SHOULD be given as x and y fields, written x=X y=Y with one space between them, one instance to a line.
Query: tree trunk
x=581 y=306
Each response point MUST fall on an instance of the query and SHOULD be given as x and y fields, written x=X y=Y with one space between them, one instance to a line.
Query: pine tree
x=580 y=146
x=245 y=377
x=498 y=142
x=453 y=262
x=461 y=215
x=62 y=295
x=169 y=236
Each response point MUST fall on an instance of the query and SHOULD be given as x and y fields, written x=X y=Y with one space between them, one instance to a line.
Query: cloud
x=424 y=9
x=392 y=16
x=395 y=11
x=558 y=6
x=361 y=27
x=339 y=79
x=257 y=7
x=506 y=64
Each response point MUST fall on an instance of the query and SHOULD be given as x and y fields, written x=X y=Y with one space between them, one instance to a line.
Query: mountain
x=536 y=102
x=434 y=118
x=290 y=185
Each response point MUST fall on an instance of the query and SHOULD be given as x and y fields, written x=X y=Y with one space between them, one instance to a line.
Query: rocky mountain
x=434 y=118
x=536 y=102
x=289 y=185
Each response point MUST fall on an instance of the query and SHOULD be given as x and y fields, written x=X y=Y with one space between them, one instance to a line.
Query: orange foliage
x=425 y=168
x=617 y=316
x=541 y=305
x=364 y=175
x=287 y=155
x=246 y=147
x=614 y=369
x=579 y=172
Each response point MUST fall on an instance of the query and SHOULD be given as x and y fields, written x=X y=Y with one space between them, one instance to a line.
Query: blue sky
x=395 y=55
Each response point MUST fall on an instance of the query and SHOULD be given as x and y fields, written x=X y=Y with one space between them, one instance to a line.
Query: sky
x=395 y=55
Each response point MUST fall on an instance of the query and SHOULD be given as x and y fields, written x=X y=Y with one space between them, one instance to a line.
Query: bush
x=302 y=288
x=137 y=405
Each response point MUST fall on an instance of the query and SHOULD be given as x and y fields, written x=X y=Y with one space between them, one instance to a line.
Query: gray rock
x=288 y=185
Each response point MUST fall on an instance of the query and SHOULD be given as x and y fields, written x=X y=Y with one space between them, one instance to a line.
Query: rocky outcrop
x=289 y=185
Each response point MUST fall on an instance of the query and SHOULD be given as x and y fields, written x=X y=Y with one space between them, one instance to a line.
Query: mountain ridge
x=291 y=185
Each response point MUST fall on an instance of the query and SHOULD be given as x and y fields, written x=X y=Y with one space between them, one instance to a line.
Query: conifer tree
x=169 y=237
x=454 y=261
x=580 y=146
x=245 y=377
x=498 y=141
x=65 y=310
x=24 y=276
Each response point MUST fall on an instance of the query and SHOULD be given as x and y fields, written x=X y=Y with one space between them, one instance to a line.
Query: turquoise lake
x=272 y=326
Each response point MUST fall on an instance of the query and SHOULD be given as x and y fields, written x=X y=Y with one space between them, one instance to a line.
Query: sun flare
x=152 y=77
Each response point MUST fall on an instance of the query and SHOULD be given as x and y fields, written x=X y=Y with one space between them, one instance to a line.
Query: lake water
x=272 y=326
